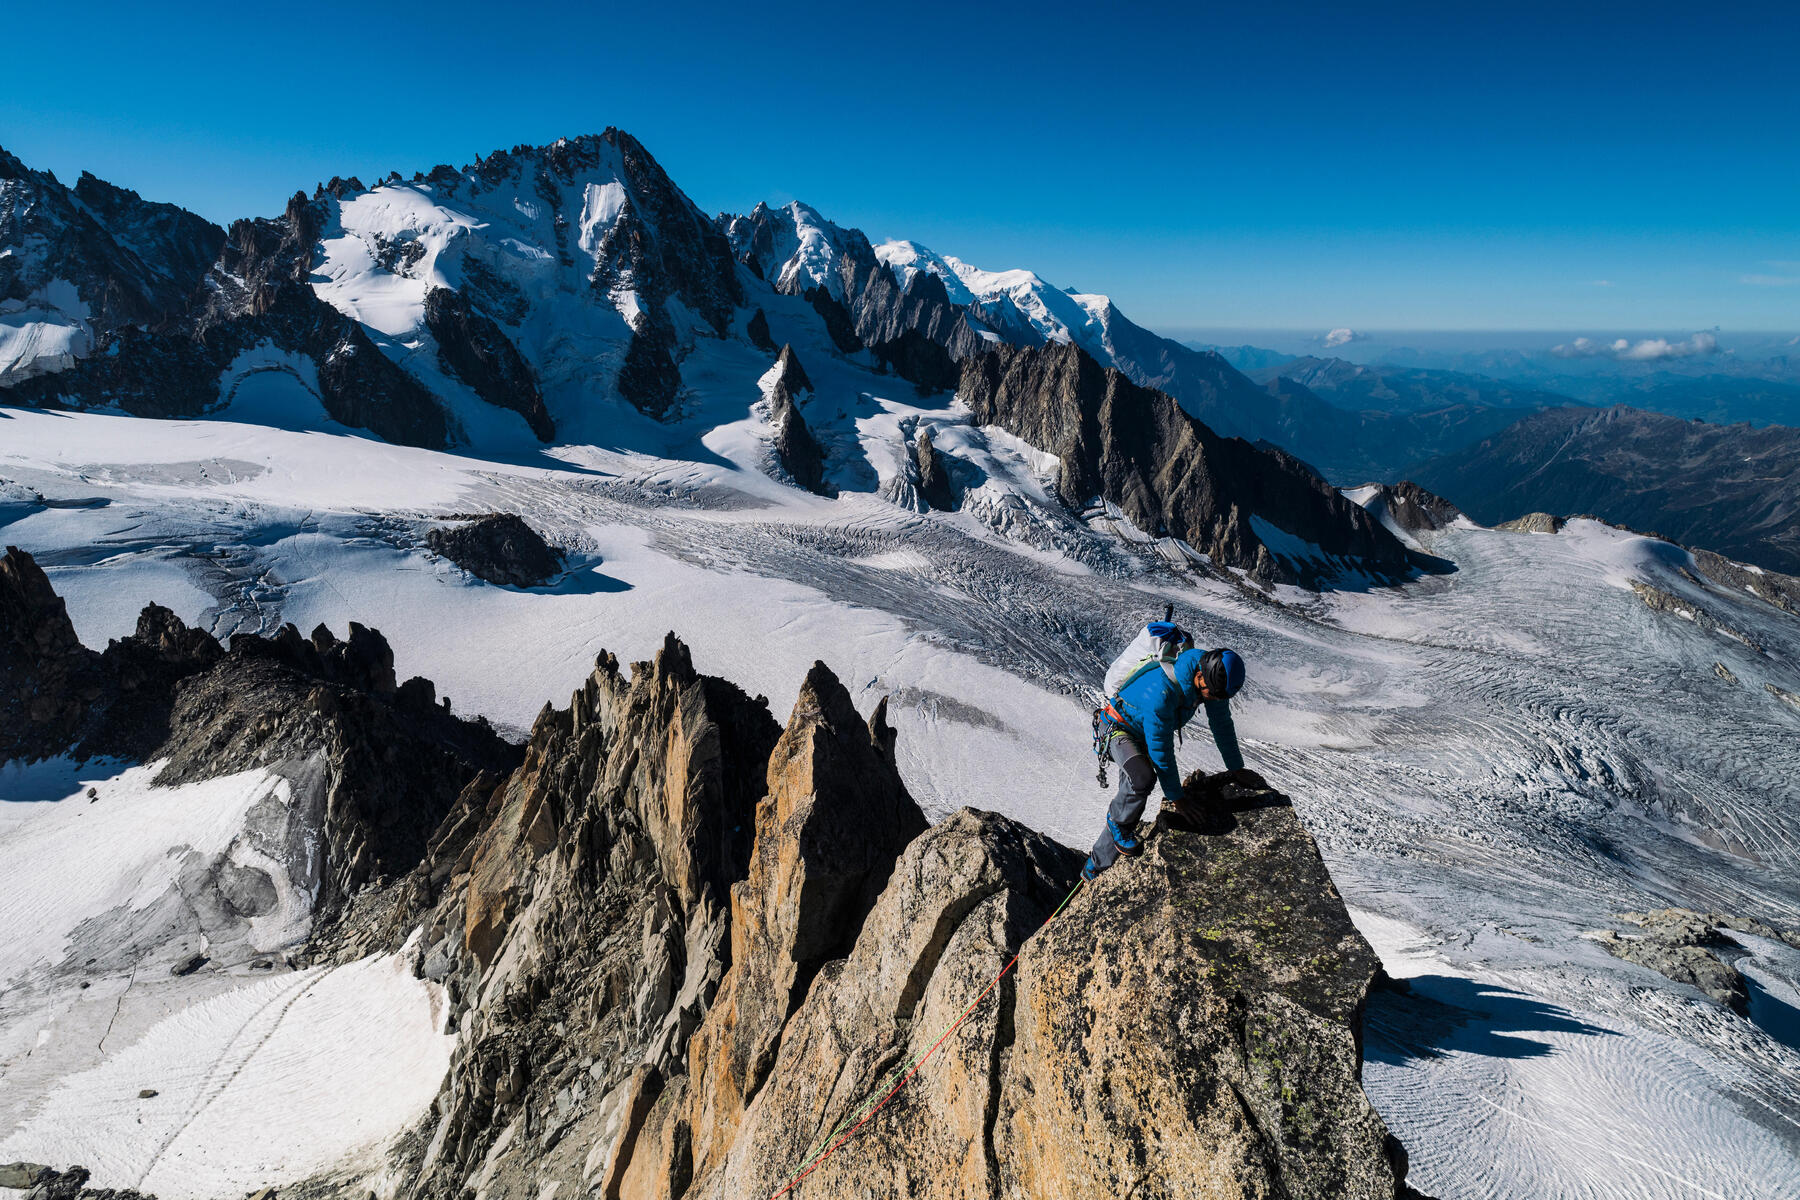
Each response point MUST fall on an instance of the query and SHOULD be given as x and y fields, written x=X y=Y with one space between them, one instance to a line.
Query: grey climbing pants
x=1137 y=779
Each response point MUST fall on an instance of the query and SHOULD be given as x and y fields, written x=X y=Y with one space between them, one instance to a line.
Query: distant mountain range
x=573 y=294
x=557 y=294
x=547 y=281
x=1377 y=388
x=1732 y=489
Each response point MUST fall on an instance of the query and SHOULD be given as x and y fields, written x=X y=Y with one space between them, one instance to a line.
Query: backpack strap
x=1143 y=668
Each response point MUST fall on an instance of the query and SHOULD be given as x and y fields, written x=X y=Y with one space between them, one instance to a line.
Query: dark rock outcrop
x=1681 y=944
x=38 y=1182
x=500 y=548
x=478 y=352
x=387 y=759
x=49 y=681
x=649 y=379
x=837 y=320
x=1411 y=507
x=56 y=695
x=918 y=360
x=757 y=330
x=796 y=449
x=1170 y=474
x=934 y=480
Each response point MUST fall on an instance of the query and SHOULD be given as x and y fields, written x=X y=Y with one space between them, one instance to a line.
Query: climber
x=1148 y=700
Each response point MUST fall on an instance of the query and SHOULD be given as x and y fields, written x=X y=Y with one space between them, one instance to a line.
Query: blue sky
x=1416 y=166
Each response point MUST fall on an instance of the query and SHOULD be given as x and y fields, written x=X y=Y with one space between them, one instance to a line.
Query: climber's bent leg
x=1137 y=778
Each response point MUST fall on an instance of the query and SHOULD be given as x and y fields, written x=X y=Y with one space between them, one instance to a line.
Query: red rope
x=791 y=1184
x=812 y=1166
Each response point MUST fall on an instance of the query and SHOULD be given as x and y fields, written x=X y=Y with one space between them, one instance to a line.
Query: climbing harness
x=1104 y=734
x=1159 y=645
x=846 y=1129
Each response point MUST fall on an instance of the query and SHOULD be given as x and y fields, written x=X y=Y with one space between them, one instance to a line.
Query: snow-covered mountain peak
x=517 y=225
x=581 y=254
x=794 y=247
x=908 y=258
x=78 y=263
x=1017 y=303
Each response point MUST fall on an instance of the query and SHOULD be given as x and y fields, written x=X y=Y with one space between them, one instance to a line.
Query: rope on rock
x=828 y=1145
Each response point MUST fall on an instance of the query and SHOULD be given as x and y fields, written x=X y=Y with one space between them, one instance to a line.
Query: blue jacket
x=1153 y=707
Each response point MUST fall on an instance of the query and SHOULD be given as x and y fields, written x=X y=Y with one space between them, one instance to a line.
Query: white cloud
x=1343 y=337
x=1601 y=283
x=1646 y=350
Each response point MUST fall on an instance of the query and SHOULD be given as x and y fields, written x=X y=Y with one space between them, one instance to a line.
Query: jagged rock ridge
x=1170 y=474
x=796 y=449
x=682 y=943
x=673 y=988
x=797 y=251
x=386 y=758
x=88 y=261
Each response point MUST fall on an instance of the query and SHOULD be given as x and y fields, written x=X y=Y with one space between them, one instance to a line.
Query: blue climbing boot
x=1127 y=843
x=1090 y=871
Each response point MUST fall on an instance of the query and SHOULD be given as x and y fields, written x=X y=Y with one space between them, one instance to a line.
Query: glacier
x=1493 y=761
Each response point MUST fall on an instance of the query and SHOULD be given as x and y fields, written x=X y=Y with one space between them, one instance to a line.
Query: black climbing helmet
x=1223 y=671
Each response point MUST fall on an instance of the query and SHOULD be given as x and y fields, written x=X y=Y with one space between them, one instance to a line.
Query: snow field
x=260 y=1078
x=69 y=861
x=266 y=1084
x=1588 y=1106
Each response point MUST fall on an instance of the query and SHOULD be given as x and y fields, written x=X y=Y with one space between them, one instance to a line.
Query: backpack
x=1159 y=643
